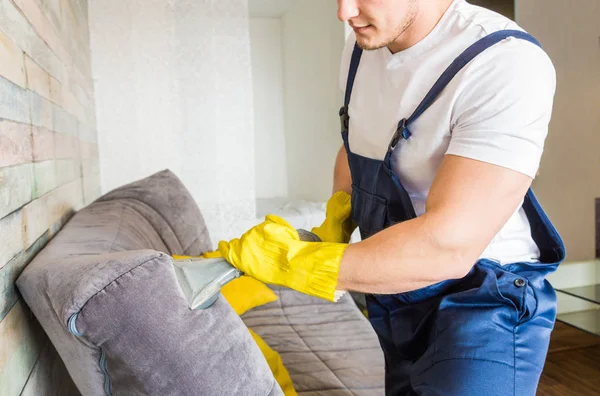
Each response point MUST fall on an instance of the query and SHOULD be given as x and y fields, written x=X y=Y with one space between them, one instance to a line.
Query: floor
x=573 y=364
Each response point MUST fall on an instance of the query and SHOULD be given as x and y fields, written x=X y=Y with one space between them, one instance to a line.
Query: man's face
x=377 y=23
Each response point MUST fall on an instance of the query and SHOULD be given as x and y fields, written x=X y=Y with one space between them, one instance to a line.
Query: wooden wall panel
x=48 y=168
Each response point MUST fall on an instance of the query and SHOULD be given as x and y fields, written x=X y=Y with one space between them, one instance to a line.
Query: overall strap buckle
x=401 y=132
x=344 y=119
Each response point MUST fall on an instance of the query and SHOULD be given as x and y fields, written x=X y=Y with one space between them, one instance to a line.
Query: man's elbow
x=457 y=251
x=462 y=265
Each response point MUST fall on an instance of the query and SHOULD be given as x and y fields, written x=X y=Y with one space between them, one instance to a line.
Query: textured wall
x=569 y=179
x=504 y=7
x=174 y=90
x=48 y=166
x=313 y=41
x=267 y=83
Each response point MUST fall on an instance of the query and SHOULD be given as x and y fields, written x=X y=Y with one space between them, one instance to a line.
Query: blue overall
x=485 y=334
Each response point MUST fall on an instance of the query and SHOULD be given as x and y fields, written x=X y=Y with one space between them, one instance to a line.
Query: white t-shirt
x=495 y=110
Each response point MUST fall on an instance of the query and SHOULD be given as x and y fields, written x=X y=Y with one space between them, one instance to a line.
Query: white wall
x=173 y=90
x=313 y=40
x=504 y=7
x=267 y=79
x=569 y=179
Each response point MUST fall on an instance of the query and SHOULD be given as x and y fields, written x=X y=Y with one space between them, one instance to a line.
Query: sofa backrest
x=164 y=202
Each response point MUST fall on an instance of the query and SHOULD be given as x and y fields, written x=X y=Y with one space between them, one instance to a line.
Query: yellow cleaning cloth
x=277 y=368
x=246 y=293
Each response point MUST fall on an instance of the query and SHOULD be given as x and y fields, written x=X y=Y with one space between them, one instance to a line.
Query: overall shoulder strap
x=354 y=62
x=456 y=66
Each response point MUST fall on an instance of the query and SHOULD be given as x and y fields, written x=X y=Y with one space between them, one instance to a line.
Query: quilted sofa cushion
x=328 y=349
x=105 y=292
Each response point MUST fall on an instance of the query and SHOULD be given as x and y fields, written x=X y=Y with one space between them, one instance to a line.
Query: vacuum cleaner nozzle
x=201 y=279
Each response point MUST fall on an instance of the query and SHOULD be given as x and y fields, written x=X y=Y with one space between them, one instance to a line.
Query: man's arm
x=342 y=180
x=468 y=204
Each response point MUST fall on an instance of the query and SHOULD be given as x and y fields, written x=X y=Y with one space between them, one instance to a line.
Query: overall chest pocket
x=369 y=211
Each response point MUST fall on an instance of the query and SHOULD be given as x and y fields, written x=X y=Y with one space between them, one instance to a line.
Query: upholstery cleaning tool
x=201 y=279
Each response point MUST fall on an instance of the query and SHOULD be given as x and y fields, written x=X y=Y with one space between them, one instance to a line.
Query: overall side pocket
x=368 y=210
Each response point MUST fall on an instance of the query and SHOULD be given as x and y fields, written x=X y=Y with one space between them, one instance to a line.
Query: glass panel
x=584 y=320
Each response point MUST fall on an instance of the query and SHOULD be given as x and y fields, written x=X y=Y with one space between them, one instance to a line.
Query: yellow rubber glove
x=338 y=225
x=272 y=252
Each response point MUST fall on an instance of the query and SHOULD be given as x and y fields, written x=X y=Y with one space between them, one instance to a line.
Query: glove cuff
x=323 y=270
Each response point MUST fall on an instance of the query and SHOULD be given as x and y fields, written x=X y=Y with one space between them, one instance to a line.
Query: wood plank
x=36 y=23
x=15 y=143
x=67 y=201
x=16 y=187
x=37 y=78
x=42 y=81
x=85 y=91
x=43 y=144
x=41 y=111
x=11 y=61
x=49 y=376
x=57 y=93
x=63 y=121
x=87 y=133
x=67 y=170
x=45 y=177
x=12 y=329
x=37 y=218
x=44 y=213
x=51 y=9
x=91 y=181
x=23 y=338
x=42 y=26
x=565 y=337
x=73 y=26
x=18 y=29
x=11 y=271
x=10 y=235
x=14 y=105
x=88 y=150
x=74 y=107
x=572 y=372
x=572 y=365
x=65 y=146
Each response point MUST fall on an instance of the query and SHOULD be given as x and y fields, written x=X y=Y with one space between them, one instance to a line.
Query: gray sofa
x=105 y=292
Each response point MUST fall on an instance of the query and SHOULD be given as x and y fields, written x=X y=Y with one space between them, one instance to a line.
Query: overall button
x=519 y=282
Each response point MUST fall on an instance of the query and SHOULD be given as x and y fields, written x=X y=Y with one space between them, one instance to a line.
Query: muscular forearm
x=469 y=202
x=405 y=257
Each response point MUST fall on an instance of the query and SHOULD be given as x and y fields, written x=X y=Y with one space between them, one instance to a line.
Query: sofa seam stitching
x=109 y=284
x=128 y=205
x=157 y=212
x=118 y=229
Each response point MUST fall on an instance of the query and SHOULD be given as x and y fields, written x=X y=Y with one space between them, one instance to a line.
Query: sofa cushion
x=111 y=305
x=327 y=348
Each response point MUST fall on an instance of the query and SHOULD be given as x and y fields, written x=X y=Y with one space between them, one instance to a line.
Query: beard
x=411 y=15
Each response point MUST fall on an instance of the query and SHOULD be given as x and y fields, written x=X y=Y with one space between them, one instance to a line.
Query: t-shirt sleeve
x=503 y=107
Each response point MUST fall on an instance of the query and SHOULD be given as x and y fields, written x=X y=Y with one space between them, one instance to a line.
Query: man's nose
x=347 y=9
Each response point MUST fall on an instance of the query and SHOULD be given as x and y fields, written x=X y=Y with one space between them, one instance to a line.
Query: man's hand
x=338 y=225
x=272 y=252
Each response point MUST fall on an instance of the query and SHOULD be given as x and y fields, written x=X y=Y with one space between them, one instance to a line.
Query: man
x=445 y=116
